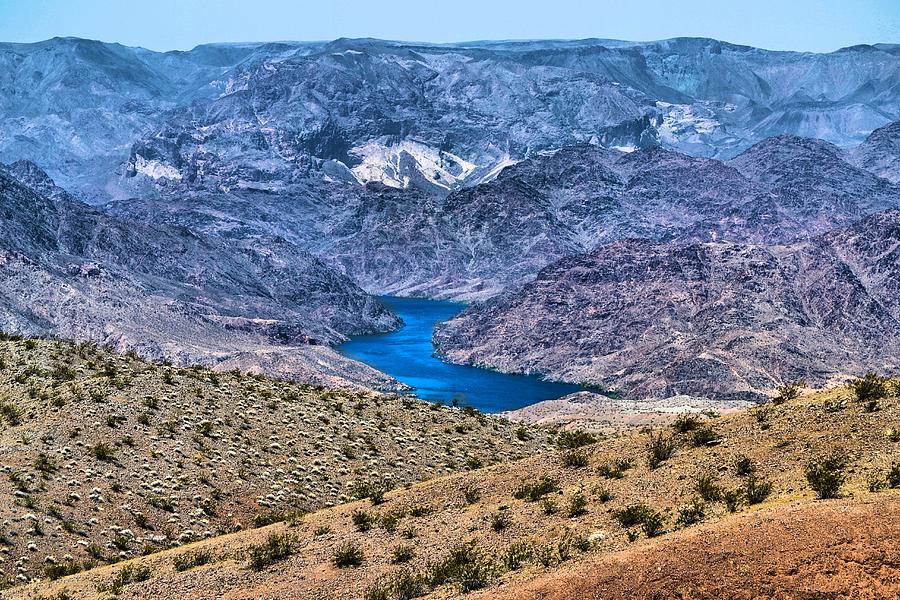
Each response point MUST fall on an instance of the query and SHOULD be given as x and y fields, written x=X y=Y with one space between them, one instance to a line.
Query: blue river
x=408 y=355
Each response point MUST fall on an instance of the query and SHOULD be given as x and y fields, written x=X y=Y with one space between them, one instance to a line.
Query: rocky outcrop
x=169 y=293
x=880 y=152
x=715 y=319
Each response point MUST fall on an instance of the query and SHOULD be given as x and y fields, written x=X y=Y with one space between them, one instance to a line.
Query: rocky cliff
x=717 y=319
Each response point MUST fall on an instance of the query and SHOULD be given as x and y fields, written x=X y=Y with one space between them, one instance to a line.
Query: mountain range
x=239 y=204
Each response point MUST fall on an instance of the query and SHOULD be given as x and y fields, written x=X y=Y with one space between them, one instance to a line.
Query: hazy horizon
x=805 y=25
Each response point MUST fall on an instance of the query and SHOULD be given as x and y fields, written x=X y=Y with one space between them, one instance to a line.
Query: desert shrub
x=362 y=520
x=660 y=449
x=402 y=553
x=472 y=494
x=633 y=514
x=404 y=585
x=756 y=490
x=732 y=499
x=534 y=491
x=569 y=440
x=614 y=469
x=390 y=520
x=653 y=523
x=500 y=520
x=686 y=423
x=708 y=488
x=347 y=555
x=788 y=392
x=603 y=493
x=373 y=490
x=870 y=387
x=549 y=506
x=826 y=474
x=574 y=459
x=893 y=476
x=45 y=464
x=577 y=505
x=517 y=554
x=189 y=560
x=743 y=466
x=11 y=413
x=704 y=436
x=464 y=566
x=129 y=574
x=102 y=451
x=58 y=570
x=691 y=514
x=277 y=547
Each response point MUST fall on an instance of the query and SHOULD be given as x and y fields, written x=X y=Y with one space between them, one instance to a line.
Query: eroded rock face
x=168 y=292
x=880 y=152
x=713 y=319
x=475 y=242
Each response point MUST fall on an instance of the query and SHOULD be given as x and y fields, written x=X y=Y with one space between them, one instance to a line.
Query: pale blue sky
x=816 y=25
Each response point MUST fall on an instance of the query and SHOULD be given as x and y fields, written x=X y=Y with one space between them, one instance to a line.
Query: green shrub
x=870 y=387
x=708 y=488
x=788 y=392
x=277 y=547
x=534 y=491
x=633 y=514
x=129 y=574
x=691 y=514
x=569 y=440
x=402 y=554
x=704 y=436
x=615 y=469
x=189 y=560
x=574 y=459
x=102 y=451
x=826 y=475
x=732 y=499
x=500 y=520
x=743 y=466
x=653 y=524
x=464 y=566
x=577 y=505
x=756 y=490
x=893 y=476
x=471 y=494
x=362 y=520
x=660 y=449
x=686 y=423
x=347 y=555
x=549 y=506
x=517 y=554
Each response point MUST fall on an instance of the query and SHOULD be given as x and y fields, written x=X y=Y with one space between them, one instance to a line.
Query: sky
x=809 y=25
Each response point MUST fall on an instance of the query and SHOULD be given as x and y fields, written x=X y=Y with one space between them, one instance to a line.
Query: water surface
x=407 y=355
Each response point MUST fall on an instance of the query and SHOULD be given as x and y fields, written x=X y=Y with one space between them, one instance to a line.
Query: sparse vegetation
x=660 y=449
x=534 y=491
x=569 y=440
x=190 y=560
x=347 y=555
x=870 y=388
x=574 y=459
x=826 y=474
x=788 y=392
x=277 y=547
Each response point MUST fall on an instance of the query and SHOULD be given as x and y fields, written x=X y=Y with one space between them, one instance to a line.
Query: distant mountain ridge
x=169 y=293
x=721 y=319
x=436 y=116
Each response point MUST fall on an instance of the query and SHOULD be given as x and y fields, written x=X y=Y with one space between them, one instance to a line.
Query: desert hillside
x=104 y=457
x=740 y=491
